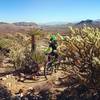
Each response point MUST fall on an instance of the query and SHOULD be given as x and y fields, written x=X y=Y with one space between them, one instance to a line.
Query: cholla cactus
x=83 y=46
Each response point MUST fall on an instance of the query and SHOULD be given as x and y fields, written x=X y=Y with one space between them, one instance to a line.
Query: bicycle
x=53 y=65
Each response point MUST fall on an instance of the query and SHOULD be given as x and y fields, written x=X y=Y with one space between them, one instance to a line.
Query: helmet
x=53 y=37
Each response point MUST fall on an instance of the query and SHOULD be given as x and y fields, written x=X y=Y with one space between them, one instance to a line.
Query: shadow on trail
x=28 y=72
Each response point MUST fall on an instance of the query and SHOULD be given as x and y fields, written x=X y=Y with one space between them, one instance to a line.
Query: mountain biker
x=53 y=45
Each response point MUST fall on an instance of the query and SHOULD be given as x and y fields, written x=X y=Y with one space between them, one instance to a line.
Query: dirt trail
x=41 y=84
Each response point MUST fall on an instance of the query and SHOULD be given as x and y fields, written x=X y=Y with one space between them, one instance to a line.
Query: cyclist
x=53 y=45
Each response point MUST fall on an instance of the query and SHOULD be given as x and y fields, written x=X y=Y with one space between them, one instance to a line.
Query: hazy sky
x=44 y=11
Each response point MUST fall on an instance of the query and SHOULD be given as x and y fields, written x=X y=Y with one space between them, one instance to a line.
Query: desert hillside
x=16 y=27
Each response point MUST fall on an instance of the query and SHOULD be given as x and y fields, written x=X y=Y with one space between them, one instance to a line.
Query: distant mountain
x=3 y=23
x=54 y=23
x=16 y=27
x=57 y=27
x=93 y=23
x=53 y=27
x=63 y=27
x=25 y=24
x=21 y=24
x=85 y=22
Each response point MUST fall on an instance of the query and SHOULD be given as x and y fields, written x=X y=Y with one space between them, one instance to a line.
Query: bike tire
x=47 y=68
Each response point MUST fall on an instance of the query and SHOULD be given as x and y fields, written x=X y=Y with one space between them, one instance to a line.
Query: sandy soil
x=39 y=84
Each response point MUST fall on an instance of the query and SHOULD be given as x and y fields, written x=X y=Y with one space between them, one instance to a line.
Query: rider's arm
x=47 y=50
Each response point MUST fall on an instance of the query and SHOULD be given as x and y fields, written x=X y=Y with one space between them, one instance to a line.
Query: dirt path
x=41 y=84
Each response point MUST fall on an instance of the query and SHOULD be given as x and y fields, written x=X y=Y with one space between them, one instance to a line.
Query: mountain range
x=61 y=27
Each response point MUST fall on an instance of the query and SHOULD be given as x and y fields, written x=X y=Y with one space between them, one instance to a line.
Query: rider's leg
x=55 y=54
x=49 y=59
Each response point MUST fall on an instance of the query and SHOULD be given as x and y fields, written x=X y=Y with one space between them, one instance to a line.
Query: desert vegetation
x=25 y=56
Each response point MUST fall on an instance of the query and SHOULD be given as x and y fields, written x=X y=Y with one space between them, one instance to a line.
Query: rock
x=21 y=79
x=30 y=88
x=7 y=76
x=57 y=82
x=22 y=75
x=4 y=78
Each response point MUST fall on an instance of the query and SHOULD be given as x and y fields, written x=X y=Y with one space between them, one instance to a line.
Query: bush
x=83 y=47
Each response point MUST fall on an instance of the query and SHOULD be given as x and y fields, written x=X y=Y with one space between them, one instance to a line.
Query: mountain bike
x=53 y=65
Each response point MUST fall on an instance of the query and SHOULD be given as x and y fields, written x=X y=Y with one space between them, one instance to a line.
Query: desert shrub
x=16 y=55
x=21 y=53
x=83 y=48
x=80 y=92
x=38 y=57
x=4 y=43
x=17 y=48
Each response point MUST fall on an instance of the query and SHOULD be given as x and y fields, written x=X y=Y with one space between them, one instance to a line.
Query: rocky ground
x=38 y=84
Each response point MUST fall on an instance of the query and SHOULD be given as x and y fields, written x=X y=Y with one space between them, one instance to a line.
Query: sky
x=45 y=11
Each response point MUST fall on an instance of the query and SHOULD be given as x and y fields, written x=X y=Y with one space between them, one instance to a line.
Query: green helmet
x=53 y=37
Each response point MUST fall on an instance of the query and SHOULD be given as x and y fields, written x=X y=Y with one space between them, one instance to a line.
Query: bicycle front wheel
x=48 y=70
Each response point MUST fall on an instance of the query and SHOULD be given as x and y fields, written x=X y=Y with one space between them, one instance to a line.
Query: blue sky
x=44 y=11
